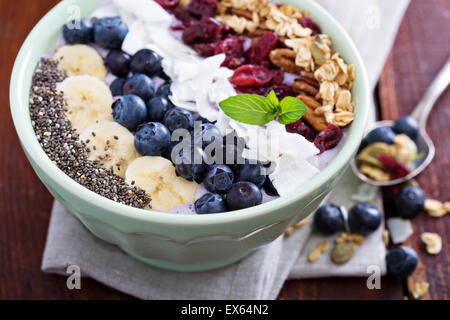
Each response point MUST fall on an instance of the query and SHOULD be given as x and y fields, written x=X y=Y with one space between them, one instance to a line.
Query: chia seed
x=62 y=144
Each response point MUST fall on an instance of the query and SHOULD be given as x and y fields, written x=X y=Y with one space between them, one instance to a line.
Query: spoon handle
x=440 y=83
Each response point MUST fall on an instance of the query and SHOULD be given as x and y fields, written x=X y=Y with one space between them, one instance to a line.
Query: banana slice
x=80 y=59
x=89 y=101
x=111 y=144
x=157 y=177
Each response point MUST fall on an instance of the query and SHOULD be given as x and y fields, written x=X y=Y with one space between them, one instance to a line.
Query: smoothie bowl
x=189 y=133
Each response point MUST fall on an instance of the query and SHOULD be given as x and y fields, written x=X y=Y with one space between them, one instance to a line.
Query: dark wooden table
x=421 y=48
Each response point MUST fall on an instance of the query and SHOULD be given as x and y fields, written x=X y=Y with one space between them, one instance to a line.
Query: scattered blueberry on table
x=410 y=202
x=401 y=262
x=364 y=219
x=328 y=219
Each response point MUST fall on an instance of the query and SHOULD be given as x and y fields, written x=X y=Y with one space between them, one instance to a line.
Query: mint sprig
x=257 y=110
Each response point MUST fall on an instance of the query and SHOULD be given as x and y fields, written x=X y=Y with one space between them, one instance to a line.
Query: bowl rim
x=34 y=151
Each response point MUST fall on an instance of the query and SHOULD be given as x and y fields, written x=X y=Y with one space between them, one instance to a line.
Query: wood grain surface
x=421 y=48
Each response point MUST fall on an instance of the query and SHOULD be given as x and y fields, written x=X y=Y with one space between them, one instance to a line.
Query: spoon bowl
x=425 y=148
x=425 y=145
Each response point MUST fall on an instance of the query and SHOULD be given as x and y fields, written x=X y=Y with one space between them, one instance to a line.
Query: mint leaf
x=292 y=109
x=272 y=102
x=248 y=108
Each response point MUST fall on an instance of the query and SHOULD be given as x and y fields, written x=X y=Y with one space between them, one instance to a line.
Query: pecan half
x=318 y=122
x=285 y=60
x=303 y=85
x=242 y=13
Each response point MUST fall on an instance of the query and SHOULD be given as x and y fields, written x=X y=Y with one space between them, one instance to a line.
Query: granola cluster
x=303 y=50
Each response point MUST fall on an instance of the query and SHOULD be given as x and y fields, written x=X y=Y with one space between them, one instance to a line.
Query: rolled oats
x=435 y=208
x=447 y=207
x=344 y=101
x=301 y=223
x=315 y=253
x=343 y=118
x=374 y=173
x=419 y=289
x=289 y=231
x=433 y=242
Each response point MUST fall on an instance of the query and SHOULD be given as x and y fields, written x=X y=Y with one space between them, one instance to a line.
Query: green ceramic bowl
x=180 y=242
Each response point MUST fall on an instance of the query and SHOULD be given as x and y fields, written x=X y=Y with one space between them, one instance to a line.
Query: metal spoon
x=424 y=144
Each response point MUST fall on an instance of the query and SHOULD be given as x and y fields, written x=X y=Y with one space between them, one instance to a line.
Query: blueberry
x=147 y=62
x=140 y=85
x=130 y=111
x=381 y=134
x=401 y=262
x=167 y=153
x=110 y=32
x=208 y=134
x=116 y=87
x=118 y=62
x=255 y=173
x=191 y=165
x=410 y=202
x=243 y=195
x=157 y=108
x=219 y=179
x=164 y=90
x=364 y=219
x=270 y=189
x=210 y=203
x=328 y=219
x=407 y=125
x=151 y=139
x=178 y=118
x=78 y=31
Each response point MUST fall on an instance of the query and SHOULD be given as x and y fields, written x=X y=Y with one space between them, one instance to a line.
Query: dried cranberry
x=307 y=22
x=178 y=27
x=251 y=76
x=301 y=128
x=261 y=50
x=202 y=7
x=282 y=91
x=259 y=91
x=205 y=49
x=185 y=17
x=329 y=138
x=395 y=169
x=168 y=4
x=203 y=31
x=277 y=76
x=233 y=47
